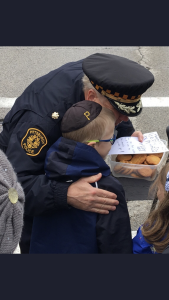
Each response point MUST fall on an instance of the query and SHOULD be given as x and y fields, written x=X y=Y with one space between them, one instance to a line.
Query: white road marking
x=7 y=102
x=155 y=101
x=146 y=101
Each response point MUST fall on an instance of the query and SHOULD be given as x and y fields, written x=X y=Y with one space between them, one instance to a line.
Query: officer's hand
x=83 y=196
x=138 y=134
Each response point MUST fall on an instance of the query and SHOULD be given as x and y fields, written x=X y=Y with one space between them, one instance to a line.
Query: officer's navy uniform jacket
x=74 y=230
x=28 y=132
x=140 y=246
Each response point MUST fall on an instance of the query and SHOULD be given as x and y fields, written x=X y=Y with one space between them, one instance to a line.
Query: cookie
x=126 y=171
x=145 y=162
x=135 y=175
x=145 y=172
x=138 y=158
x=117 y=168
x=158 y=154
x=121 y=157
x=124 y=161
x=153 y=160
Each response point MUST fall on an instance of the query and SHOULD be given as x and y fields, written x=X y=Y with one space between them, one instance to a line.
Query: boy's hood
x=70 y=160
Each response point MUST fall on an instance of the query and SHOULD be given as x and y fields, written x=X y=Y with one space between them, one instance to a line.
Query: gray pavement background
x=19 y=66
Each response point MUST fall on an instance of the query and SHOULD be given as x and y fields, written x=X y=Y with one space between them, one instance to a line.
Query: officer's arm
x=125 y=129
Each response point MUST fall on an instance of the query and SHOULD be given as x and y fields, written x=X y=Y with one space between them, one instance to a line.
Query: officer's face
x=119 y=117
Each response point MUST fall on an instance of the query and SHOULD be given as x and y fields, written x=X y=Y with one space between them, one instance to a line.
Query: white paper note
x=131 y=145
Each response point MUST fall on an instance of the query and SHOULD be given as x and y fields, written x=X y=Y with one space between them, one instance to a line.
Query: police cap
x=79 y=115
x=120 y=80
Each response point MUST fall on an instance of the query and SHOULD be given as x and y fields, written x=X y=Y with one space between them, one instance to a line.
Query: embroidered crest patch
x=33 y=141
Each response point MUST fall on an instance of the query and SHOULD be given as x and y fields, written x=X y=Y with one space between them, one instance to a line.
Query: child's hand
x=82 y=195
x=138 y=134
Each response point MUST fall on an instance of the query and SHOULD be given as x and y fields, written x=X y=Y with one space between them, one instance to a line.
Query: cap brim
x=130 y=110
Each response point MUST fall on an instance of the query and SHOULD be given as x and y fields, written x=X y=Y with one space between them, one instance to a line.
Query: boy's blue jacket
x=73 y=230
x=140 y=246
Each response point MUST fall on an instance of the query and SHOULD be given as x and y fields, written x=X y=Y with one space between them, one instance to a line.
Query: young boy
x=87 y=130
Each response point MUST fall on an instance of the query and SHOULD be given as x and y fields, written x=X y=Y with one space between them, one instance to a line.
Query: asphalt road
x=19 y=66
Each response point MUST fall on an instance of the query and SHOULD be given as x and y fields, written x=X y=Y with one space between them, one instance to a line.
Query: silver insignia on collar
x=55 y=115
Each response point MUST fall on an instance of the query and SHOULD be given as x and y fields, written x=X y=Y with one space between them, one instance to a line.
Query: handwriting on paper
x=130 y=145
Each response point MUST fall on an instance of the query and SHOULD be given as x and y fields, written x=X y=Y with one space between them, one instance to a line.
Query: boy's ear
x=92 y=144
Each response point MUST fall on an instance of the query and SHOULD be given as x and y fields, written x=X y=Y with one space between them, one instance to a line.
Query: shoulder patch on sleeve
x=33 y=141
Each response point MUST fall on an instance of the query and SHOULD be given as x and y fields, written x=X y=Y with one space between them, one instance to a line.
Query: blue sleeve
x=140 y=246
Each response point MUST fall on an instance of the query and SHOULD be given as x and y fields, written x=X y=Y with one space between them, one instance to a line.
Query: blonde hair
x=95 y=129
x=156 y=228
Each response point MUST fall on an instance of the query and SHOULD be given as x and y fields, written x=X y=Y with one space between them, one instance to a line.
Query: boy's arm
x=113 y=231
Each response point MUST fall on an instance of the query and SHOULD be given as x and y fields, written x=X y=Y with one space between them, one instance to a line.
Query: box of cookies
x=140 y=166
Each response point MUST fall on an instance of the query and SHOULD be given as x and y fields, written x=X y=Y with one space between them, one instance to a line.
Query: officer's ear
x=90 y=94
x=92 y=144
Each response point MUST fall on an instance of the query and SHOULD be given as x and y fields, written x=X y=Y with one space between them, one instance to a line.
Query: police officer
x=33 y=125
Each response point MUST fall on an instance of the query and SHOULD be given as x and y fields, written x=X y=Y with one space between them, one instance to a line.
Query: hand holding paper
x=130 y=145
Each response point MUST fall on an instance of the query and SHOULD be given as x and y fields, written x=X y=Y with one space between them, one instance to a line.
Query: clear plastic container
x=147 y=172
